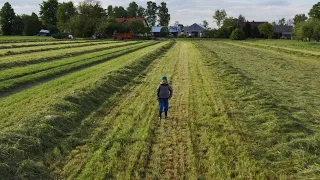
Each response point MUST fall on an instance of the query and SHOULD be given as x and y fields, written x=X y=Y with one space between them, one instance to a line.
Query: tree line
x=84 y=20
x=228 y=27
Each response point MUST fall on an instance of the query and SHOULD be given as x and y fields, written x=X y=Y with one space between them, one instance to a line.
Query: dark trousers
x=163 y=105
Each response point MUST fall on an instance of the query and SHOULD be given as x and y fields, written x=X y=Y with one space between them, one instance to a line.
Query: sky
x=188 y=12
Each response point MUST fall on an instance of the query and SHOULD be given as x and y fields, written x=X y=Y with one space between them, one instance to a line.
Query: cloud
x=195 y=11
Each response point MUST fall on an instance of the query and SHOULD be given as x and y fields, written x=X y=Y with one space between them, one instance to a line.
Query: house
x=174 y=30
x=283 y=32
x=195 y=30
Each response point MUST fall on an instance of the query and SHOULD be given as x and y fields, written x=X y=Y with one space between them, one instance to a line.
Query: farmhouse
x=195 y=30
x=283 y=32
x=174 y=30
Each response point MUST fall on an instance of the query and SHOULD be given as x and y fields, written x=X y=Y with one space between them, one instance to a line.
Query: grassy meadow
x=87 y=109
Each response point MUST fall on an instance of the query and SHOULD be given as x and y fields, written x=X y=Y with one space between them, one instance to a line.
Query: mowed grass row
x=48 y=113
x=31 y=44
x=283 y=49
x=16 y=72
x=290 y=44
x=49 y=70
x=125 y=141
x=6 y=39
x=36 y=57
x=264 y=123
x=24 y=50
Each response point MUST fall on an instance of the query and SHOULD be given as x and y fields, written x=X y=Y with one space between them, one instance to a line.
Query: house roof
x=172 y=29
x=253 y=24
x=121 y=20
x=130 y=19
x=194 y=27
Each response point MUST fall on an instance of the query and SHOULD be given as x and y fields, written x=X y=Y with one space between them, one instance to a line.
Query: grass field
x=87 y=110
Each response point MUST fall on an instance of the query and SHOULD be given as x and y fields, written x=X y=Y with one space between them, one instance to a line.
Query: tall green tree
x=247 y=30
x=205 y=23
x=86 y=22
x=315 y=11
x=32 y=25
x=48 y=14
x=151 y=13
x=141 y=12
x=110 y=12
x=7 y=17
x=219 y=16
x=65 y=11
x=163 y=13
x=18 y=25
x=241 y=18
x=120 y=12
x=299 y=18
x=132 y=10
x=266 y=29
x=137 y=27
x=282 y=22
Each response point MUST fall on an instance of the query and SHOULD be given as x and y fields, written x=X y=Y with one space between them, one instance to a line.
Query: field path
x=172 y=150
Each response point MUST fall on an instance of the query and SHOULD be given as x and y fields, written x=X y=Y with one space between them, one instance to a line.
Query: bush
x=237 y=34
x=164 y=32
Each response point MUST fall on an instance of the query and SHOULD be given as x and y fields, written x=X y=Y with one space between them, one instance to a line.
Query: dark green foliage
x=266 y=29
x=7 y=17
x=119 y=12
x=18 y=25
x=32 y=25
x=48 y=14
x=315 y=11
x=164 y=32
x=219 y=16
x=237 y=34
x=255 y=32
x=132 y=10
x=163 y=13
x=151 y=13
x=65 y=11
x=247 y=30
x=86 y=22
x=299 y=18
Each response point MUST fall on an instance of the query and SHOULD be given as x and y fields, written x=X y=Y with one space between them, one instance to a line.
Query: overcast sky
x=188 y=12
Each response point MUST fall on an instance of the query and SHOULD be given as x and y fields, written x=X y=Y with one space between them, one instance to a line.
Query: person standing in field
x=164 y=94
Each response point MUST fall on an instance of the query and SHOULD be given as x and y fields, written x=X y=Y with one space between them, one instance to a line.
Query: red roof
x=129 y=19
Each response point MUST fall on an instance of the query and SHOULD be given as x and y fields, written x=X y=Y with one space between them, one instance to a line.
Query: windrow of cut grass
x=9 y=39
x=51 y=111
x=256 y=130
x=31 y=44
x=312 y=46
x=283 y=49
x=37 y=57
x=125 y=141
x=50 y=70
x=25 y=50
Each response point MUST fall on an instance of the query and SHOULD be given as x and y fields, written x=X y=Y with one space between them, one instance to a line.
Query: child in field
x=164 y=93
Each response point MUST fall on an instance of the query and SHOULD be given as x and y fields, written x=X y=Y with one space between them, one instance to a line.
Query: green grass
x=24 y=50
x=5 y=39
x=45 y=124
x=31 y=44
x=240 y=110
x=16 y=77
x=43 y=56
x=272 y=114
